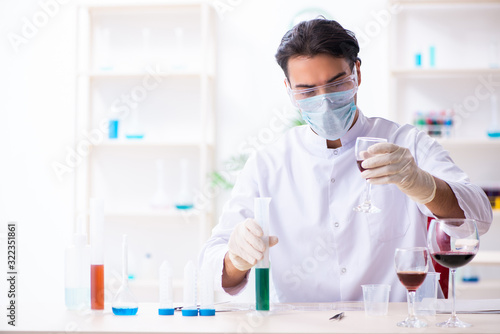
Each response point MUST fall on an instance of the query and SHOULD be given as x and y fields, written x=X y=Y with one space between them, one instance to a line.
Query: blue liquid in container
x=432 y=56
x=494 y=134
x=113 y=129
x=470 y=279
x=418 y=59
x=138 y=136
x=184 y=206
x=125 y=311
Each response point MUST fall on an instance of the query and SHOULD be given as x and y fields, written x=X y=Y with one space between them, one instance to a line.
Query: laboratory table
x=42 y=319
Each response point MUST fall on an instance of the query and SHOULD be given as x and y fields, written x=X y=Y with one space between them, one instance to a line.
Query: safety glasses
x=345 y=84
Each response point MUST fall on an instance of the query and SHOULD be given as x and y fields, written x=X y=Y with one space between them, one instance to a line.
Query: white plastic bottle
x=190 y=307
x=166 y=290
x=207 y=307
x=77 y=271
x=184 y=199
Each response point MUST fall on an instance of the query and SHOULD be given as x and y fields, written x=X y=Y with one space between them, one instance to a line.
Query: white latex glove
x=246 y=246
x=395 y=164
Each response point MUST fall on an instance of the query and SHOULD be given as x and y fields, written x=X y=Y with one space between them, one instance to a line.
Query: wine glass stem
x=453 y=310
x=411 y=305
x=368 y=190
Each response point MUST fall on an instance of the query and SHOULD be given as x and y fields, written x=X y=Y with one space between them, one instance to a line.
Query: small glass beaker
x=376 y=299
x=426 y=295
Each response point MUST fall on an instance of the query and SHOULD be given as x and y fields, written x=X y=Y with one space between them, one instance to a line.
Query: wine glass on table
x=361 y=151
x=411 y=267
x=453 y=242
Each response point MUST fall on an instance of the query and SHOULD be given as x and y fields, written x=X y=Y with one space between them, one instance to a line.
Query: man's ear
x=358 y=70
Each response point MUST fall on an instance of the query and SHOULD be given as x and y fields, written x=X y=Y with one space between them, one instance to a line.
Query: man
x=326 y=251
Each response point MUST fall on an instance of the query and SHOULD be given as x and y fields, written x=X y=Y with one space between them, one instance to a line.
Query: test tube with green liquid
x=261 y=210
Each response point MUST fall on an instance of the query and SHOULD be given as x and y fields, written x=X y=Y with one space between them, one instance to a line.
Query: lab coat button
x=337 y=224
x=332 y=180
x=343 y=270
x=335 y=152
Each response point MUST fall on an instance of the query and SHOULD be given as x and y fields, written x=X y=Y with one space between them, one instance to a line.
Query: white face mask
x=330 y=115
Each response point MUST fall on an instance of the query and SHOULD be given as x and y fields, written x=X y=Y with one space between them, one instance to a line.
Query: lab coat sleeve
x=433 y=158
x=237 y=209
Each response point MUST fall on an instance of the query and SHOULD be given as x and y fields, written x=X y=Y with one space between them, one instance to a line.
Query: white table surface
x=43 y=319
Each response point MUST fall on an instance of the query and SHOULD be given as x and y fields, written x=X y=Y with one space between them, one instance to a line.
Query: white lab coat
x=326 y=251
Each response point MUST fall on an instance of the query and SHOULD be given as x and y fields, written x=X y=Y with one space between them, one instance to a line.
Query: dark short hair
x=318 y=36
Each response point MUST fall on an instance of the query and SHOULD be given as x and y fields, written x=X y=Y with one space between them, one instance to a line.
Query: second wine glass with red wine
x=412 y=265
x=453 y=243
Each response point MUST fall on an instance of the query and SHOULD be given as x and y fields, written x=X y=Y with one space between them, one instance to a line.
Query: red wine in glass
x=412 y=279
x=453 y=242
x=412 y=265
x=359 y=165
x=361 y=153
x=453 y=260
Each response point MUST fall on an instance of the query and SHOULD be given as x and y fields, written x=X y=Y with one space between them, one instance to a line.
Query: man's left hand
x=391 y=163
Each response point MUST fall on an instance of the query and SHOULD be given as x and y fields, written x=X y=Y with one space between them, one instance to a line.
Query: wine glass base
x=412 y=323
x=366 y=208
x=453 y=323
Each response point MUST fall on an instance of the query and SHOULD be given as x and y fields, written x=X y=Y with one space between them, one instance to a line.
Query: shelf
x=443 y=73
x=483 y=289
x=145 y=143
x=141 y=74
x=443 y=2
x=98 y=7
x=469 y=143
x=151 y=213
x=486 y=258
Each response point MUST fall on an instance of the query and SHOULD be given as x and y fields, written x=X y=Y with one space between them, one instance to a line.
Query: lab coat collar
x=317 y=145
x=359 y=129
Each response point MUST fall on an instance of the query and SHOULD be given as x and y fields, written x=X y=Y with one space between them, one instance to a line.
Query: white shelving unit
x=157 y=60
x=443 y=73
x=461 y=59
x=441 y=2
x=462 y=63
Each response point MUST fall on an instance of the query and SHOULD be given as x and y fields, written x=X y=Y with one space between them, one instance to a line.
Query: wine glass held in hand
x=361 y=151
x=412 y=265
x=453 y=243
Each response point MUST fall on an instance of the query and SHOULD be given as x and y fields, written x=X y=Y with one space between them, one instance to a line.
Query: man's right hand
x=246 y=246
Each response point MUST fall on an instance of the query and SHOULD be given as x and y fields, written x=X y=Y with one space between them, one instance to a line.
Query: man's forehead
x=315 y=70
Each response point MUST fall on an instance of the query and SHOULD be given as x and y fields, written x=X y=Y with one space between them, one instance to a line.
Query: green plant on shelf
x=236 y=162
